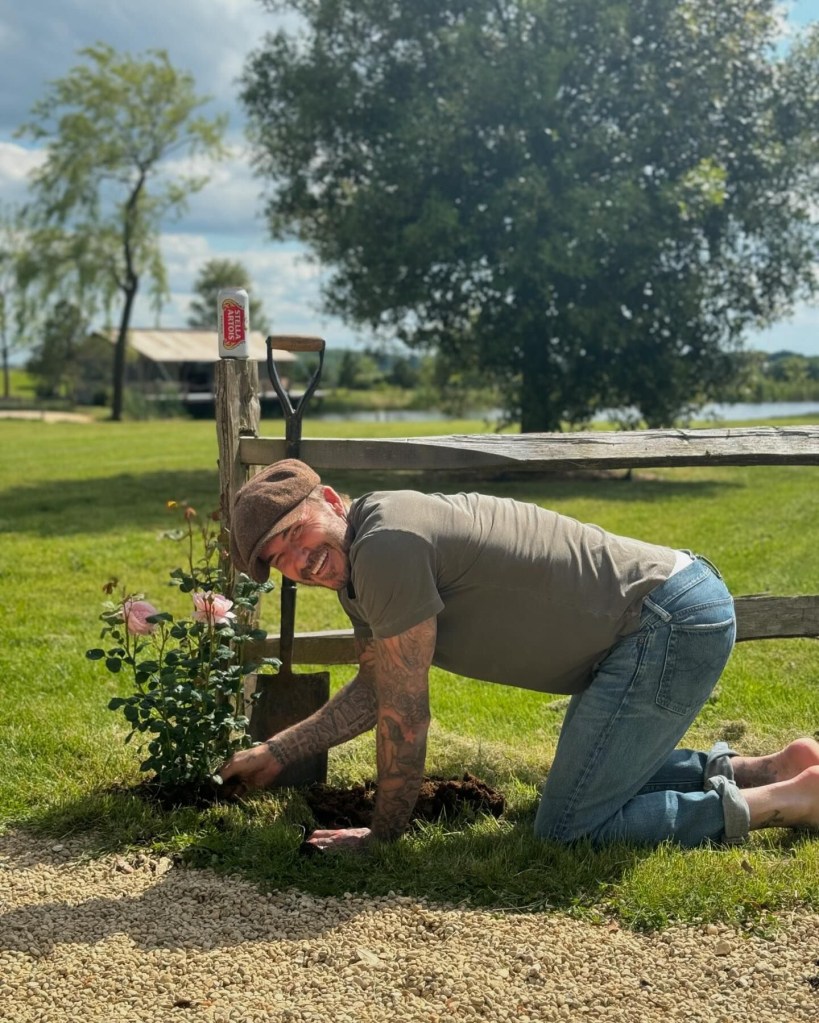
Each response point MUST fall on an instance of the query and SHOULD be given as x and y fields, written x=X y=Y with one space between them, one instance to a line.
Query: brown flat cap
x=263 y=507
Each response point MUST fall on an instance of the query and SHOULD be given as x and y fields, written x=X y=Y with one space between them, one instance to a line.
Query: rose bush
x=187 y=673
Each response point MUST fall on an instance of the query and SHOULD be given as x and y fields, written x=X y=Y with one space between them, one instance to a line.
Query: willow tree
x=106 y=186
x=586 y=201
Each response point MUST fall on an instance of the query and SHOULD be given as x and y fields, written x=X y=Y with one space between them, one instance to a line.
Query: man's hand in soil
x=353 y=839
x=253 y=768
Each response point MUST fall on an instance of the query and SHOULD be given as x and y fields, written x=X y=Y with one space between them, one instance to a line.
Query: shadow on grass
x=471 y=860
x=537 y=488
x=65 y=506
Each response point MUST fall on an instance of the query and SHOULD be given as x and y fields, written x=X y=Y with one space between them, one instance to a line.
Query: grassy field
x=80 y=503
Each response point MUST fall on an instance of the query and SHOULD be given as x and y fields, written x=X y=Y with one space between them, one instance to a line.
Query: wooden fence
x=241 y=450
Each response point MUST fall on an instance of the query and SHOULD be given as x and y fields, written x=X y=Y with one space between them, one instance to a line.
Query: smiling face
x=315 y=549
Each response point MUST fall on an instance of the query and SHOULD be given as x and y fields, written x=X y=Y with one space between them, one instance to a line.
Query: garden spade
x=285 y=698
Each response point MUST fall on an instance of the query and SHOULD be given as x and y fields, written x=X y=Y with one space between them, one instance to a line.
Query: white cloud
x=231 y=202
x=16 y=163
x=284 y=279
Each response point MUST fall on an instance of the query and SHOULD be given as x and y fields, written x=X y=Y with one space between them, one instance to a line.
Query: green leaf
x=95 y=654
x=113 y=664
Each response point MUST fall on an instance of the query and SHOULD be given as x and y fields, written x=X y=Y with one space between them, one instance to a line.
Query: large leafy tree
x=585 y=201
x=106 y=186
x=217 y=274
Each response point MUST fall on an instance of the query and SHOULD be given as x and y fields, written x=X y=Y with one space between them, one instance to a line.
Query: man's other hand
x=254 y=768
x=354 y=839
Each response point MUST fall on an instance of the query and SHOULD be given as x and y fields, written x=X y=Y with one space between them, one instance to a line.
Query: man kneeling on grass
x=508 y=592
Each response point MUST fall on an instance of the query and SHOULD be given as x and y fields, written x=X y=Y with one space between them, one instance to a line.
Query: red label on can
x=233 y=323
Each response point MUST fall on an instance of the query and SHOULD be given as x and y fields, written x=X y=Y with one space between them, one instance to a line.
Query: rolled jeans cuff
x=718 y=761
x=734 y=808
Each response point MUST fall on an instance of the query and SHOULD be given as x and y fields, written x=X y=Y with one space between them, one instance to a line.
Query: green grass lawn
x=80 y=503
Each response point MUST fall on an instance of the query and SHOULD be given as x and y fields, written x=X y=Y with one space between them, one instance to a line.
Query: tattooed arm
x=402 y=685
x=349 y=713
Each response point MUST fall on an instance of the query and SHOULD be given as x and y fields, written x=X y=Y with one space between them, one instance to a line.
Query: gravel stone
x=87 y=939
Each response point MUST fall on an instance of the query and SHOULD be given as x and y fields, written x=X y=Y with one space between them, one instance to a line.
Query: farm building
x=185 y=358
x=176 y=366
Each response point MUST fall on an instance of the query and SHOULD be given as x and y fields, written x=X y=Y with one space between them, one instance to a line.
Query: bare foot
x=789 y=762
x=788 y=804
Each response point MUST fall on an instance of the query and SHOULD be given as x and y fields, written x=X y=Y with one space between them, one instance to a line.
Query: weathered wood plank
x=543 y=452
x=767 y=617
x=758 y=617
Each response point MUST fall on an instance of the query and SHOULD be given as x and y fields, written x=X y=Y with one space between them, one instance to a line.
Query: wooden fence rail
x=550 y=452
x=760 y=616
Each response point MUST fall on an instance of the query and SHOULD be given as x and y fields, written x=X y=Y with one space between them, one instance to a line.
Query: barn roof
x=187 y=345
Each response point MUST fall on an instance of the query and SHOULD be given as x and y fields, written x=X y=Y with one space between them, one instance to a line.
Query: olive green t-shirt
x=522 y=595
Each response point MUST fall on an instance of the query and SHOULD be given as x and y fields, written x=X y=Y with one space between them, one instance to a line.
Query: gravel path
x=141 y=941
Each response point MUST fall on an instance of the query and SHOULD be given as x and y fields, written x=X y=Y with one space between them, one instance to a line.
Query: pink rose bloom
x=212 y=608
x=135 y=613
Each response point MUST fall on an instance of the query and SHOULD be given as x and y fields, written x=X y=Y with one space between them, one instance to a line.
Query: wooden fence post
x=237 y=407
x=272 y=702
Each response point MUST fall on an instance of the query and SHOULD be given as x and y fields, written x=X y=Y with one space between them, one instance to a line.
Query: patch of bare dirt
x=332 y=807
x=439 y=798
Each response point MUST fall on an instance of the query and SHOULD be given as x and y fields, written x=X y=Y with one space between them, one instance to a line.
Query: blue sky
x=211 y=39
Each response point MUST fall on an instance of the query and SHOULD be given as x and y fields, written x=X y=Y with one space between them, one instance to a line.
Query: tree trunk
x=539 y=412
x=120 y=350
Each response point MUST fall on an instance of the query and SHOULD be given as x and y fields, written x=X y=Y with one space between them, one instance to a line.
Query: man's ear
x=334 y=501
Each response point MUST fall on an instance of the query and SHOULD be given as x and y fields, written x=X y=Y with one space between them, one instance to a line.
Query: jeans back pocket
x=695 y=657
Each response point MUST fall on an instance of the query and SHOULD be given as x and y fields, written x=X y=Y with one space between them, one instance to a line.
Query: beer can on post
x=233 y=318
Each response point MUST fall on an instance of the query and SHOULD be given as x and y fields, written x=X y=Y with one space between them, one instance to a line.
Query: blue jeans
x=616 y=775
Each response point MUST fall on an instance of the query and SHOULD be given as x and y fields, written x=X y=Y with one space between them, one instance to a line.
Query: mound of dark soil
x=439 y=798
x=342 y=808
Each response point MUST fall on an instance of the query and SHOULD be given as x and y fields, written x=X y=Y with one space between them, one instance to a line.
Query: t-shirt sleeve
x=394 y=577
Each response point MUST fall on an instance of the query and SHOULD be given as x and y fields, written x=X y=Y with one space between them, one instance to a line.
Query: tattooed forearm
x=401 y=756
x=349 y=713
x=402 y=669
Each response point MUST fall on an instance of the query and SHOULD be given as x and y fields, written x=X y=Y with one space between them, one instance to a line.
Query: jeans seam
x=705 y=627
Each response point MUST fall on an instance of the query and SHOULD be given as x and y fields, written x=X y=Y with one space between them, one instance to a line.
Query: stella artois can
x=233 y=315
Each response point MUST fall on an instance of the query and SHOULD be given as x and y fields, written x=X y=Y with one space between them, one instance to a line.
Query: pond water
x=726 y=413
